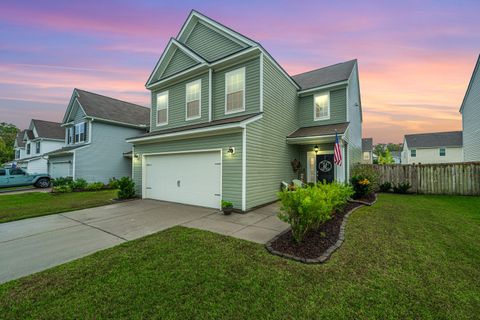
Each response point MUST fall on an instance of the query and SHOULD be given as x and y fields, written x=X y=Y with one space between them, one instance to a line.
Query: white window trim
x=244 y=89
x=81 y=125
x=413 y=156
x=327 y=117
x=440 y=153
x=199 y=81
x=159 y=124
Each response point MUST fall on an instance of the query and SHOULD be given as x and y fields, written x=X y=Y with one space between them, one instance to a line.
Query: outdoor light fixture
x=231 y=150
x=136 y=155
x=316 y=149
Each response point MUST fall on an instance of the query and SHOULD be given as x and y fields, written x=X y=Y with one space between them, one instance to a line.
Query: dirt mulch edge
x=327 y=253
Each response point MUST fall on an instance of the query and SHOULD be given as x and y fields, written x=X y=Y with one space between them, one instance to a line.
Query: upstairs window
x=28 y=148
x=366 y=155
x=193 y=94
x=17 y=154
x=80 y=132
x=162 y=108
x=235 y=91
x=70 y=135
x=37 y=147
x=442 y=152
x=321 y=104
x=413 y=153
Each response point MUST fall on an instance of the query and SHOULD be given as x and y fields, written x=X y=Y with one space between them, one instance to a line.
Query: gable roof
x=29 y=134
x=49 y=129
x=435 y=139
x=367 y=144
x=19 y=139
x=477 y=67
x=325 y=76
x=110 y=109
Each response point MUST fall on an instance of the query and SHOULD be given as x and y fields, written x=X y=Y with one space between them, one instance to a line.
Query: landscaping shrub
x=385 y=187
x=79 y=184
x=62 y=181
x=369 y=173
x=361 y=186
x=402 y=187
x=305 y=209
x=113 y=183
x=126 y=188
x=64 y=188
x=94 y=186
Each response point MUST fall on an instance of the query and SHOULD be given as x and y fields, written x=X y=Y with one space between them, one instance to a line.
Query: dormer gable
x=175 y=58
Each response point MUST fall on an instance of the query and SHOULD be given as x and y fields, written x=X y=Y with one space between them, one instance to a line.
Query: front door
x=325 y=168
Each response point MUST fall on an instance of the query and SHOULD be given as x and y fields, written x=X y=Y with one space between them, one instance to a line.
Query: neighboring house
x=94 y=131
x=227 y=121
x=470 y=111
x=32 y=144
x=367 y=151
x=438 y=147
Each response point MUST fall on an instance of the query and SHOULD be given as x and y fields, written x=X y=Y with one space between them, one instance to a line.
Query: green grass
x=34 y=204
x=4 y=189
x=407 y=257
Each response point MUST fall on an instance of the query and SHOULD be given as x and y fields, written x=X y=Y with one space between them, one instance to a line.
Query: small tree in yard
x=386 y=158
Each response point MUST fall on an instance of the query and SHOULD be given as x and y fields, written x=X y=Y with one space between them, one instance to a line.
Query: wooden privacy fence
x=445 y=178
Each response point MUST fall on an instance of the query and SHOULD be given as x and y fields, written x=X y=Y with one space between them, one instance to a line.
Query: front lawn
x=34 y=204
x=407 y=257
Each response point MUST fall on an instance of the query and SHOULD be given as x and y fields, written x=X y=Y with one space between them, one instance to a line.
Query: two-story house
x=470 y=111
x=437 y=147
x=94 y=130
x=227 y=121
x=32 y=144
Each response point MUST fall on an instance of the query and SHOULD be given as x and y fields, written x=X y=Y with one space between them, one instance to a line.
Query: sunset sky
x=415 y=57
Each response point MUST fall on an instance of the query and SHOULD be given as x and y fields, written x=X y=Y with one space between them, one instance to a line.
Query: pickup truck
x=15 y=177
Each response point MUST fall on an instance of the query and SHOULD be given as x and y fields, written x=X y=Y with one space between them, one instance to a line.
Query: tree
x=386 y=158
x=8 y=134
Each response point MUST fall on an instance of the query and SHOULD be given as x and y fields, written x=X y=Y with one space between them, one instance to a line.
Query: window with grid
x=322 y=106
x=413 y=153
x=235 y=90
x=443 y=152
x=28 y=148
x=80 y=132
x=37 y=147
x=194 y=91
x=162 y=108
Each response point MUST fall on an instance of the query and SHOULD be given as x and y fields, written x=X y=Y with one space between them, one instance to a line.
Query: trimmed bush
x=305 y=209
x=369 y=173
x=361 y=186
x=65 y=188
x=62 y=181
x=385 y=187
x=126 y=188
x=94 y=186
x=79 y=184
x=402 y=188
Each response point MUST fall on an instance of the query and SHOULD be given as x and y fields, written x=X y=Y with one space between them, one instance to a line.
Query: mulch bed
x=318 y=245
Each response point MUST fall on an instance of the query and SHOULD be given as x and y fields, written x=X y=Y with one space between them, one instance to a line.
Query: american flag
x=337 y=157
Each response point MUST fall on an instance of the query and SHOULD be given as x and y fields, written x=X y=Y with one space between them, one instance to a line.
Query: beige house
x=437 y=147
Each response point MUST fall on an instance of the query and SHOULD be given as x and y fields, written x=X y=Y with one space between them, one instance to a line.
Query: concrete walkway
x=32 y=245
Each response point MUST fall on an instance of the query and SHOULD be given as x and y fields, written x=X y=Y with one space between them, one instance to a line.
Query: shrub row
x=124 y=185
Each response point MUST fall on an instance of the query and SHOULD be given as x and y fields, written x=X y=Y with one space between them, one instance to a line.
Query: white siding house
x=470 y=111
x=438 y=147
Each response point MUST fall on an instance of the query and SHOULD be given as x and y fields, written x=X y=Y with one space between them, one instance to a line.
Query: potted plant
x=227 y=207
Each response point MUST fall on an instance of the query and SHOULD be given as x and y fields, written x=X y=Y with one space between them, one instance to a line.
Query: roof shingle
x=98 y=106
x=318 y=131
x=323 y=76
x=49 y=129
x=367 y=144
x=434 y=139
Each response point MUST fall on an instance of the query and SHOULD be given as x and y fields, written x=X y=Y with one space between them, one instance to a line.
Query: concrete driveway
x=32 y=245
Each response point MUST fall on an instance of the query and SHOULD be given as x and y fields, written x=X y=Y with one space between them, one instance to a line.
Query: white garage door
x=190 y=178
x=60 y=169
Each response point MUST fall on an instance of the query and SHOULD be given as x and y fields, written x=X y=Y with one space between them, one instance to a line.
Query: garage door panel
x=59 y=170
x=185 y=178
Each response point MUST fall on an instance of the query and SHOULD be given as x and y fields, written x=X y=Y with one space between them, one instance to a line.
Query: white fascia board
x=141 y=126
x=345 y=82
x=312 y=138
x=470 y=83
x=70 y=105
x=237 y=125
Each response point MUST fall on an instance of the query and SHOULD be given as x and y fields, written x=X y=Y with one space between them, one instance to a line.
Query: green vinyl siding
x=231 y=164
x=211 y=44
x=252 y=89
x=179 y=62
x=177 y=104
x=338 y=109
x=268 y=154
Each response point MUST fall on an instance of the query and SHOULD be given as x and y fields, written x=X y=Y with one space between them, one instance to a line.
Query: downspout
x=210 y=95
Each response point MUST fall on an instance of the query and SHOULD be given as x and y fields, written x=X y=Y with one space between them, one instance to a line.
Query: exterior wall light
x=316 y=149
x=231 y=150
x=136 y=155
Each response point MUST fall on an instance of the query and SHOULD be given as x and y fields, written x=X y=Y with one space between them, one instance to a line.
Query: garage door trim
x=220 y=150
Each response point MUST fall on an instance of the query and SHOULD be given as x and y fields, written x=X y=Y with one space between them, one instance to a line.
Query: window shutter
x=85 y=130
x=74 y=138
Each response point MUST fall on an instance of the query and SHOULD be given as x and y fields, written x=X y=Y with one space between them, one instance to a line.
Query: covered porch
x=315 y=147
